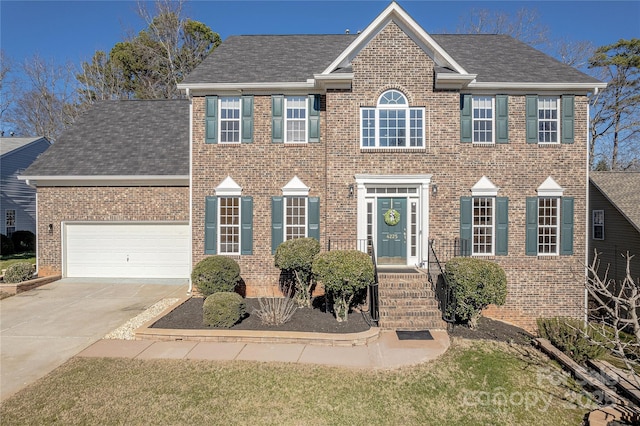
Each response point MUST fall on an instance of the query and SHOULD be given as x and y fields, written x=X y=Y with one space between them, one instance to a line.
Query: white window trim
x=550 y=189
x=493 y=120
x=228 y=188
x=594 y=224
x=220 y=119
x=285 y=226
x=557 y=119
x=556 y=226
x=474 y=226
x=407 y=110
x=15 y=221
x=287 y=120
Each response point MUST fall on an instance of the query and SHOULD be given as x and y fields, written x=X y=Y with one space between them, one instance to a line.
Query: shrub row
x=20 y=242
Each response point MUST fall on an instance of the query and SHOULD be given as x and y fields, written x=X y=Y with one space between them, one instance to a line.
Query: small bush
x=18 y=272
x=23 y=241
x=215 y=274
x=296 y=257
x=6 y=245
x=344 y=273
x=275 y=310
x=476 y=283
x=572 y=337
x=223 y=309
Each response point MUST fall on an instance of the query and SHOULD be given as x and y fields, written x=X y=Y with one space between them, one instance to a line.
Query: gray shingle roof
x=501 y=58
x=122 y=138
x=12 y=143
x=296 y=58
x=269 y=58
x=621 y=188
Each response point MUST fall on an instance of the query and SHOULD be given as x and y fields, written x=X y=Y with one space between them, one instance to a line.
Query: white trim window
x=295 y=217
x=483 y=225
x=230 y=125
x=392 y=124
x=10 y=222
x=483 y=119
x=295 y=119
x=598 y=224
x=229 y=225
x=548 y=119
x=548 y=225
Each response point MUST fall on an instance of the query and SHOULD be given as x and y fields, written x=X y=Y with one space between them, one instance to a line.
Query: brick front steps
x=408 y=302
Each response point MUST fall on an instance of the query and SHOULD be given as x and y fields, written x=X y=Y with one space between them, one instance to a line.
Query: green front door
x=392 y=231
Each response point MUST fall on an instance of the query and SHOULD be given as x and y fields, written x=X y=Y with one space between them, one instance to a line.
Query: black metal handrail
x=445 y=292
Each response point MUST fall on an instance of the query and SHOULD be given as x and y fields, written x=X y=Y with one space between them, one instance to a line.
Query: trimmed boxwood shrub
x=23 y=241
x=572 y=337
x=6 y=245
x=18 y=272
x=476 y=283
x=344 y=273
x=215 y=274
x=295 y=257
x=223 y=309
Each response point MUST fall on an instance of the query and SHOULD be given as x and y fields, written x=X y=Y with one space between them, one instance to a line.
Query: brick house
x=392 y=135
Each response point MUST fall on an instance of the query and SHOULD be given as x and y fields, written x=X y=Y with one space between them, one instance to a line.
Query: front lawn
x=5 y=261
x=475 y=382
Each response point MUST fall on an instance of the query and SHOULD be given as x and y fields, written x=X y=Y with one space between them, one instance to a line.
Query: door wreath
x=392 y=217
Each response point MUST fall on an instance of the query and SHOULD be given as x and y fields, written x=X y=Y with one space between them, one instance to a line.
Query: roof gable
x=621 y=189
x=11 y=144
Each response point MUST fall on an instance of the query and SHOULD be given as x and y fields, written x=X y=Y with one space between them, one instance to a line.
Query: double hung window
x=598 y=224
x=548 y=119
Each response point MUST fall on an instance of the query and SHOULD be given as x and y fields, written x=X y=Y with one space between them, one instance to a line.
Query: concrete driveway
x=42 y=328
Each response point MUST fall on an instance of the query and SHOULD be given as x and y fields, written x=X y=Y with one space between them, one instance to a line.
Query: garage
x=126 y=250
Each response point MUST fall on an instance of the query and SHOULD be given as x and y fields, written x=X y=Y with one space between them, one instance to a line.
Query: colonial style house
x=392 y=138
x=18 y=200
x=615 y=223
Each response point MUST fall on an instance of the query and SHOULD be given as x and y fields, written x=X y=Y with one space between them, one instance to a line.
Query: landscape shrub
x=6 y=245
x=23 y=241
x=215 y=274
x=296 y=257
x=275 y=310
x=18 y=272
x=572 y=337
x=475 y=284
x=344 y=273
x=223 y=309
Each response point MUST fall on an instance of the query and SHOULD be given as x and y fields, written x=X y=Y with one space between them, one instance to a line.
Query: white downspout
x=190 y=189
x=586 y=233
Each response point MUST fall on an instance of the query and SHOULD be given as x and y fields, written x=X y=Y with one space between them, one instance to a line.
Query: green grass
x=5 y=261
x=474 y=383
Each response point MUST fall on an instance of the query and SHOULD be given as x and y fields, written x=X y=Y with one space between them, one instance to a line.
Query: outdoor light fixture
x=350 y=190
x=434 y=189
x=51 y=228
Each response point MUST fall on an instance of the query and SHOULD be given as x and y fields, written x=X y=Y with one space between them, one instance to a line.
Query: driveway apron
x=42 y=328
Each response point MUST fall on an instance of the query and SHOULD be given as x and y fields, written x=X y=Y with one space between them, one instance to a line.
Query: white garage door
x=131 y=250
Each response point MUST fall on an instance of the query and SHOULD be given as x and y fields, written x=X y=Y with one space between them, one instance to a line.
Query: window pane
x=295 y=217
x=548 y=225
x=230 y=119
x=296 y=119
x=229 y=225
x=483 y=221
x=548 y=123
x=482 y=119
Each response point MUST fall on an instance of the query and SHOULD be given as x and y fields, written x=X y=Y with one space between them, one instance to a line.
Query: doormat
x=414 y=335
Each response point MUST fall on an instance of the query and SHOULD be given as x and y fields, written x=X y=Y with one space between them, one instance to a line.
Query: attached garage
x=126 y=250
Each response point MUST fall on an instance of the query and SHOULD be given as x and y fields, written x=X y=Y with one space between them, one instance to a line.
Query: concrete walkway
x=42 y=328
x=386 y=352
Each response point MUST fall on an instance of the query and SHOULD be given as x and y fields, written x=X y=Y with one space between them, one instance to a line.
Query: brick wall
x=101 y=204
x=538 y=286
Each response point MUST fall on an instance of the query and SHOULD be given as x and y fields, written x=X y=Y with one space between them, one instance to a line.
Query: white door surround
x=415 y=189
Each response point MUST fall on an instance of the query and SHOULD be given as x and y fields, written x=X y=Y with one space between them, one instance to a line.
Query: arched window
x=392 y=123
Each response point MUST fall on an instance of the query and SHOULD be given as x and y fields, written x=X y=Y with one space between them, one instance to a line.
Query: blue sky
x=71 y=31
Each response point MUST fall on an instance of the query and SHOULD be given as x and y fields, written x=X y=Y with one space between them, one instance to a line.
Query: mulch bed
x=489 y=329
x=316 y=319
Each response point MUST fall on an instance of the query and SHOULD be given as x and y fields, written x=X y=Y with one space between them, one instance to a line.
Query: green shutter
x=314 y=118
x=246 y=235
x=465 y=118
x=566 y=226
x=532 y=118
x=502 y=226
x=277 y=216
x=313 y=222
x=277 y=119
x=466 y=207
x=247 y=119
x=210 y=224
x=502 y=119
x=567 y=118
x=531 y=243
x=211 y=119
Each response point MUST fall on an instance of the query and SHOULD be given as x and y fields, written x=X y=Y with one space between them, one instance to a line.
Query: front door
x=392 y=231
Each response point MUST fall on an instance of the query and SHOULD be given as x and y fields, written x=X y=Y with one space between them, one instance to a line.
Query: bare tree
x=614 y=314
x=44 y=104
x=5 y=85
x=524 y=25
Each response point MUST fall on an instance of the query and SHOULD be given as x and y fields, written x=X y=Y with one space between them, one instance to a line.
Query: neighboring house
x=17 y=199
x=392 y=136
x=614 y=215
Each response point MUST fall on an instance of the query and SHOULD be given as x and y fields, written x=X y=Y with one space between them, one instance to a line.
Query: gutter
x=105 y=180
